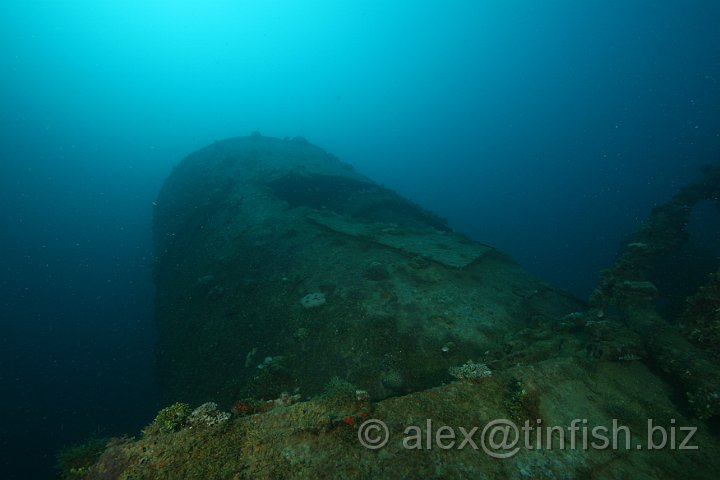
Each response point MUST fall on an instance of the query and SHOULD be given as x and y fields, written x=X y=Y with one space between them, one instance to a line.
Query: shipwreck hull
x=311 y=302
x=279 y=268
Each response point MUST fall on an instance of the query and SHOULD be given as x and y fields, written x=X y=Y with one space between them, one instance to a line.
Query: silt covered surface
x=306 y=300
x=248 y=227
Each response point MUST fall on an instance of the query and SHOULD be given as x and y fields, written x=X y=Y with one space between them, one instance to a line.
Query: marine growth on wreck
x=315 y=324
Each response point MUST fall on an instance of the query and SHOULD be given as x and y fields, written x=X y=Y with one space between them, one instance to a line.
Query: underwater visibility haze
x=246 y=217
